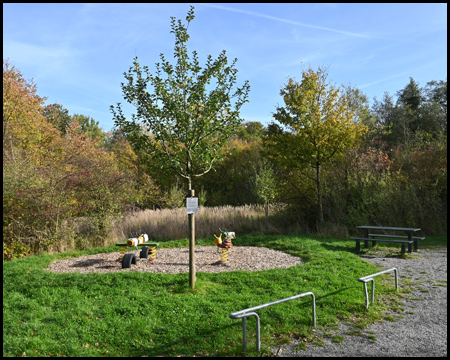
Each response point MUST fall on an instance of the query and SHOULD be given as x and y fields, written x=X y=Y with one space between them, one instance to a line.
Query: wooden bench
x=366 y=243
x=415 y=238
x=398 y=236
x=389 y=230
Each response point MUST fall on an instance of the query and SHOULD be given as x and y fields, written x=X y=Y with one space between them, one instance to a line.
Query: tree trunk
x=319 y=198
x=189 y=185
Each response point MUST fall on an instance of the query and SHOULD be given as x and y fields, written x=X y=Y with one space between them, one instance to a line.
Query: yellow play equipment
x=218 y=239
x=148 y=250
x=224 y=245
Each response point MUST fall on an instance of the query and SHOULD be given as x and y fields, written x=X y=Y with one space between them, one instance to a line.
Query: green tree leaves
x=184 y=119
x=319 y=125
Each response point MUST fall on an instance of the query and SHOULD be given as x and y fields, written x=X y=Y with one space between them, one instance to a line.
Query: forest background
x=67 y=184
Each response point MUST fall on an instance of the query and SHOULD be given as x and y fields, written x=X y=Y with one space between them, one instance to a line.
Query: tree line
x=328 y=161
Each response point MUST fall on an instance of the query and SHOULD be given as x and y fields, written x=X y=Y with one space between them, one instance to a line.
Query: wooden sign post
x=192 y=209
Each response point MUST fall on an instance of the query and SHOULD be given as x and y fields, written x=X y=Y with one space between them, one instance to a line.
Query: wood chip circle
x=174 y=261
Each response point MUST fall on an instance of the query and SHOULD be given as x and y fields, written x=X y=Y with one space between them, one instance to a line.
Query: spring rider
x=148 y=250
x=224 y=245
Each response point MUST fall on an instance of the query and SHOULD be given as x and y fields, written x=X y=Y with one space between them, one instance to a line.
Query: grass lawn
x=136 y=314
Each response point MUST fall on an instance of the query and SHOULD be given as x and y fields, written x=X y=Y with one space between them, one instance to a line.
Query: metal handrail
x=366 y=279
x=243 y=314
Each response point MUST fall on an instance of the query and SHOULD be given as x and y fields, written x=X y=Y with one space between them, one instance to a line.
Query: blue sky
x=77 y=53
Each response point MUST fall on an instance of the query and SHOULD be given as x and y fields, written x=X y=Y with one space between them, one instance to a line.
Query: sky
x=76 y=53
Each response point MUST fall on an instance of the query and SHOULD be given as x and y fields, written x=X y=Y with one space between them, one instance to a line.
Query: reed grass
x=84 y=233
x=172 y=224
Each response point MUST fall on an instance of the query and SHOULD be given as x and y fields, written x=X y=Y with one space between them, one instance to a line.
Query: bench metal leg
x=409 y=247
x=366 y=244
x=358 y=246
x=403 y=248
x=416 y=245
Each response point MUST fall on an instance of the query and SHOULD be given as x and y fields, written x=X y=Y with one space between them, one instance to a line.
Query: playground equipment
x=243 y=314
x=139 y=240
x=224 y=245
x=148 y=250
x=368 y=278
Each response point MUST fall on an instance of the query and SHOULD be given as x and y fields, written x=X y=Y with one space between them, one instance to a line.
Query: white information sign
x=192 y=205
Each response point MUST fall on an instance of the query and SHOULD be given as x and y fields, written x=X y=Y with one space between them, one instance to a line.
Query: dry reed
x=172 y=224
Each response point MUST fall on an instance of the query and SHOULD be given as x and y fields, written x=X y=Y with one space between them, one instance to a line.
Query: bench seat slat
x=366 y=242
x=398 y=236
x=383 y=240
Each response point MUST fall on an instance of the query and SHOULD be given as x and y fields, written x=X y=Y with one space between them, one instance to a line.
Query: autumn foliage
x=50 y=177
x=69 y=185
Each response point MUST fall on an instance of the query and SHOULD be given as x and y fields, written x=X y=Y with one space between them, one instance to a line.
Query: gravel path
x=421 y=332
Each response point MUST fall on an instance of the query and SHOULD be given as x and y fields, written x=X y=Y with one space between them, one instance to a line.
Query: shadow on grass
x=334 y=293
x=336 y=246
x=187 y=344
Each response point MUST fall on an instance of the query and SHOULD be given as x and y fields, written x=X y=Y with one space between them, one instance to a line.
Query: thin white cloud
x=90 y=95
x=253 y=13
x=46 y=61
x=383 y=80
x=29 y=53
x=410 y=72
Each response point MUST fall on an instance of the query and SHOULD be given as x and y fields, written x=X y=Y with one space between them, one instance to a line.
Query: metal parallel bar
x=243 y=314
x=244 y=333
x=378 y=273
x=366 y=279
x=367 y=294
x=244 y=330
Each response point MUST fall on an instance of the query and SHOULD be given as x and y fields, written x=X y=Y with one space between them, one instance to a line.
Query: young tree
x=319 y=126
x=186 y=121
x=264 y=185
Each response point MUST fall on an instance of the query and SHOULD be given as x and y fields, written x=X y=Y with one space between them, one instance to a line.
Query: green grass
x=338 y=338
x=137 y=314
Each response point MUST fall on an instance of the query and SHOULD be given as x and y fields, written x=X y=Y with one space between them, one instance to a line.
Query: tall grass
x=172 y=224
x=84 y=233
